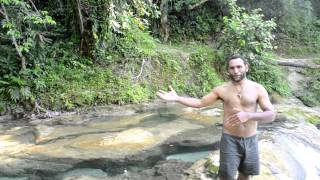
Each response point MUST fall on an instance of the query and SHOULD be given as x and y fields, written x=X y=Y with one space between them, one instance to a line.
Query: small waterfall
x=302 y=158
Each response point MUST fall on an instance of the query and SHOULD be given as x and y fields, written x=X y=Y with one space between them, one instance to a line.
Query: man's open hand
x=168 y=96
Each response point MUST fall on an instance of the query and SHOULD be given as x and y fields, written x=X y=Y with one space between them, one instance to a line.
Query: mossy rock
x=298 y=114
x=276 y=98
x=211 y=167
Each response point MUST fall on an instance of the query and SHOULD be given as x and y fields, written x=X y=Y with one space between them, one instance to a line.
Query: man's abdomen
x=246 y=129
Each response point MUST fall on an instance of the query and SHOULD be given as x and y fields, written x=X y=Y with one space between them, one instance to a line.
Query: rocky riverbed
x=148 y=141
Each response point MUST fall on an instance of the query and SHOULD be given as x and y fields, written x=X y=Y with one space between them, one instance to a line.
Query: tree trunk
x=84 y=27
x=299 y=65
x=80 y=17
x=164 y=28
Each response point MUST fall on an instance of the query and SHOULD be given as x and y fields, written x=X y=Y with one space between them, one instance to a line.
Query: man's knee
x=220 y=177
x=227 y=173
x=243 y=177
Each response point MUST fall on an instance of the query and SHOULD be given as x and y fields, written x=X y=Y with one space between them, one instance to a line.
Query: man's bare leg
x=243 y=177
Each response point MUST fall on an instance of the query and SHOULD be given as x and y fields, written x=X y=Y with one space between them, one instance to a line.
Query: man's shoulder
x=222 y=86
x=259 y=88
x=256 y=85
x=221 y=89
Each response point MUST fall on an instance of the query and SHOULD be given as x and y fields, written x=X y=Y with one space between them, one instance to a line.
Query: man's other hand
x=238 y=117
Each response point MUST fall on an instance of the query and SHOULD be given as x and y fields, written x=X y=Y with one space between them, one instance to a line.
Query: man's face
x=237 y=69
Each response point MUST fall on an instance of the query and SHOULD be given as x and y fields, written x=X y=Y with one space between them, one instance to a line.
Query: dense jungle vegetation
x=67 y=54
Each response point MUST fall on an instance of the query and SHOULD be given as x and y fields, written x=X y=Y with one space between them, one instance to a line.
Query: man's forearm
x=262 y=117
x=191 y=102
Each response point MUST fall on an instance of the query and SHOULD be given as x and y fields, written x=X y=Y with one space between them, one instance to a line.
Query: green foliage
x=127 y=64
x=203 y=64
x=298 y=19
x=26 y=26
x=299 y=51
x=297 y=33
x=299 y=30
x=71 y=81
x=114 y=27
x=22 y=33
x=251 y=36
x=271 y=77
x=189 y=68
x=69 y=88
x=137 y=43
x=247 y=34
x=18 y=90
x=311 y=93
x=68 y=81
x=179 y=5
x=15 y=89
x=169 y=69
x=198 y=24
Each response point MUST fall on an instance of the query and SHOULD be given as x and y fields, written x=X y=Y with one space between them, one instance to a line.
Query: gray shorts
x=238 y=154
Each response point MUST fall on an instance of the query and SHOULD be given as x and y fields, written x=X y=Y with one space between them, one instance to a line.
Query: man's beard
x=237 y=78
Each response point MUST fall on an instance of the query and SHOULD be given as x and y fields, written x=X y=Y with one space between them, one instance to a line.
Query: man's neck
x=239 y=83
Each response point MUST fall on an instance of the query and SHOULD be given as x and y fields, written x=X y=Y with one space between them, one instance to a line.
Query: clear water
x=189 y=157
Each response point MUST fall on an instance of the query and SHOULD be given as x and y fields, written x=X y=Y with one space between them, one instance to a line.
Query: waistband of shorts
x=239 y=137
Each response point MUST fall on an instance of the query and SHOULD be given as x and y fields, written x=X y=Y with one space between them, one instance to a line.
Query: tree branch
x=2 y=13
x=141 y=69
x=34 y=6
x=14 y=41
x=196 y=5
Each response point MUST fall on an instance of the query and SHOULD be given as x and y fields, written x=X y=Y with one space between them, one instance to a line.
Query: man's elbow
x=201 y=103
x=272 y=115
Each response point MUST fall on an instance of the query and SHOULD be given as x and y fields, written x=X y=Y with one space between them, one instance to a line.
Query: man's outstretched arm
x=189 y=101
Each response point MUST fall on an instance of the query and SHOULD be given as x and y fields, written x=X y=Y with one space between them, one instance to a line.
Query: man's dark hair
x=236 y=56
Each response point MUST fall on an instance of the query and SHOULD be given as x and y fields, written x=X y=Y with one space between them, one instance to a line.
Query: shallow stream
x=152 y=140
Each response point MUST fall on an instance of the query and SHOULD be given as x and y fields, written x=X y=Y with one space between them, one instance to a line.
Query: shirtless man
x=241 y=97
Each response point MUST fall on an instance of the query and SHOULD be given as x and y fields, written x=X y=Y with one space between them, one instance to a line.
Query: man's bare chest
x=247 y=98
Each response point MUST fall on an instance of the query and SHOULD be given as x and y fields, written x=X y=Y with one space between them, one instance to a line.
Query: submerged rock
x=170 y=169
x=83 y=174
